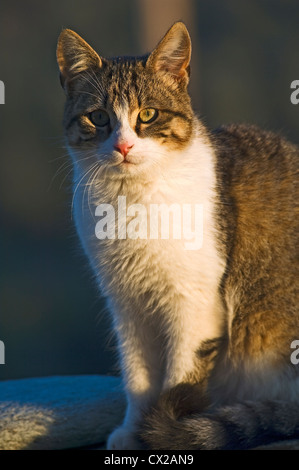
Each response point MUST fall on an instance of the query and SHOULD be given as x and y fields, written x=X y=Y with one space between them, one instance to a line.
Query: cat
x=203 y=334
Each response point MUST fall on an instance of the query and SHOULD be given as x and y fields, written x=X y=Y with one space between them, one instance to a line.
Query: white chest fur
x=138 y=266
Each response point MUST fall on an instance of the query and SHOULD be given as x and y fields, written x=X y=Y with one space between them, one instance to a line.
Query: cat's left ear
x=173 y=53
x=74 y=56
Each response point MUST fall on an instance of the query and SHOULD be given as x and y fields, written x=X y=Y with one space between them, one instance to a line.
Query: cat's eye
x=148 y=115
x=99 y=118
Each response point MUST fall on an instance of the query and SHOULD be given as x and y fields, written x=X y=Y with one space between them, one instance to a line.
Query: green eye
x=148 y=115
x=99 y=118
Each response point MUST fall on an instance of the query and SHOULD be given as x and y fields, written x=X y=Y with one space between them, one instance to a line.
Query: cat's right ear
x=74 y=56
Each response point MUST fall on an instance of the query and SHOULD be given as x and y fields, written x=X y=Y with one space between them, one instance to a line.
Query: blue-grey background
x=245 y=56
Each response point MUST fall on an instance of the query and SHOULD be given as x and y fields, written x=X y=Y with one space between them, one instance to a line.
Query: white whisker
x=69 y=164
x=87 y=93
x=87 y=185
x=95 y=84
x=76 y=188
x=91 y=187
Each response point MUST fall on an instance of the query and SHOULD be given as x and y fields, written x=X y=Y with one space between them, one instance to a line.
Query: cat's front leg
x=142 y=375
x=124 y=437
x=193 y=343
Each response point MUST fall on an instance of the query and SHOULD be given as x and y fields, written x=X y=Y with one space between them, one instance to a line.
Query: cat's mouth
x=124 y=166
x=126 y=161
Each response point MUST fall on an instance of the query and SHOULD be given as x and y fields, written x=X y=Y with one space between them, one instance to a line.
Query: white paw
x=122 y=438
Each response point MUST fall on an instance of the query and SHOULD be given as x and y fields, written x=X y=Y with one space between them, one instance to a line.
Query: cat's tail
x=243 y=425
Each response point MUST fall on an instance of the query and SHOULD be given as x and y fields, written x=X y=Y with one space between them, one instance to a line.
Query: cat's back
x=248 y=156
x=257 y=210
x=258 y=184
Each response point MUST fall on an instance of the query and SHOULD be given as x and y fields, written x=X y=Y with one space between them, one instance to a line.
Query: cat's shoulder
x=243 y=144
x=250 y=138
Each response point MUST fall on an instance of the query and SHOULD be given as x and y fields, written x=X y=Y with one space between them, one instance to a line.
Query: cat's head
x=129 y=115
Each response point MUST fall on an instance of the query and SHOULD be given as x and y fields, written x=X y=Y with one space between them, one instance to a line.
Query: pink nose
x=123 y=147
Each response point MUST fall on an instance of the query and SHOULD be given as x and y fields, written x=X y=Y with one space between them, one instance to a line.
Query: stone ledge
x=59 y=412
x=65 y=412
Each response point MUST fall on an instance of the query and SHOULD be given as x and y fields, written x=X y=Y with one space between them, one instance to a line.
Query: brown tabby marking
x=260 y=184
x=112 y=84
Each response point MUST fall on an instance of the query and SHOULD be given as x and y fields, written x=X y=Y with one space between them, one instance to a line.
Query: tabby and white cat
x=204 y=336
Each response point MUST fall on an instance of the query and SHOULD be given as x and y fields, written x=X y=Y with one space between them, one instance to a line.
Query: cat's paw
x=123 y=438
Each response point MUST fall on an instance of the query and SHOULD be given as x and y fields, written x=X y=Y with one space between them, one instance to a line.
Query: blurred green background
x=52 y=320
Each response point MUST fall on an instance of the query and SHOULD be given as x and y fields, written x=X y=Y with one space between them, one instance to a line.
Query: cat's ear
x=74 y=56
x=173 y=53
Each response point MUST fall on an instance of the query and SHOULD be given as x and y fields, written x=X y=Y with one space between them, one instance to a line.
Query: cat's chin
x=126 y=168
